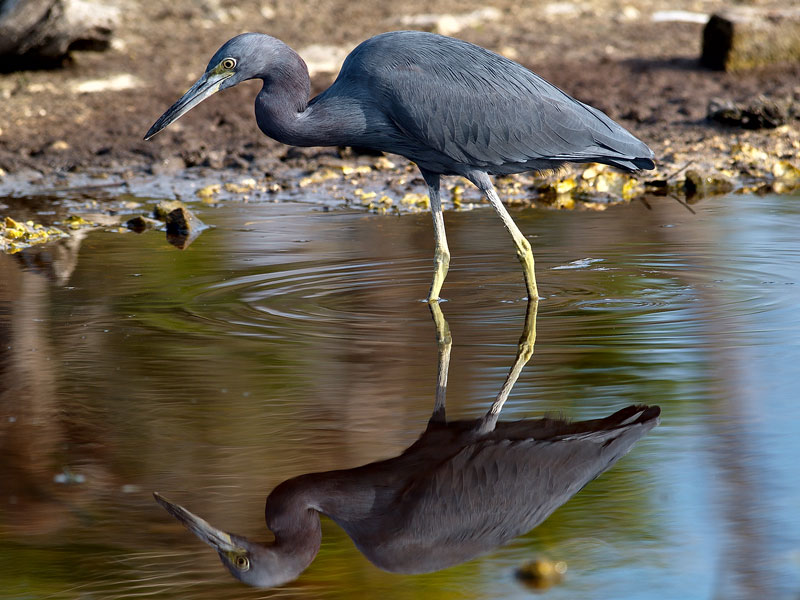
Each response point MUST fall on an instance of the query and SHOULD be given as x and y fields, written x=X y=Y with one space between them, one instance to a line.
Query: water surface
x=287 y=340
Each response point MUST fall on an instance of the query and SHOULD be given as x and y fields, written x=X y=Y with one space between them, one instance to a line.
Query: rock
x=141 y=223
x=16 y=235
x=36 y=32
x=698 y=186
x=747 y=37
x=183 y=227
x=760 y=113
x=182 y=221
x=163 y=208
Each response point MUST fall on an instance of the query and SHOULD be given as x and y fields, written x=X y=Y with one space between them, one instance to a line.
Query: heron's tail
x=614 y=145
x=628 y=164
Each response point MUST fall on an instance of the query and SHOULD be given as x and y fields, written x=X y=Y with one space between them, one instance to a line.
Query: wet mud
x=80 y=128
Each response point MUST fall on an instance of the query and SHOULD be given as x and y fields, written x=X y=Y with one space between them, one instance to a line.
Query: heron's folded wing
x=482 y=109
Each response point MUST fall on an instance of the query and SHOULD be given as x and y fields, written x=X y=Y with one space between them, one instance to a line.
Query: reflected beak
x=217 y=539
x=206 y=86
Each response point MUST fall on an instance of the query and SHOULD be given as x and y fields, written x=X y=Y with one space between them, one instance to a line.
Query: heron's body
x=453 y=108
x=450 y=106
x=456 y=493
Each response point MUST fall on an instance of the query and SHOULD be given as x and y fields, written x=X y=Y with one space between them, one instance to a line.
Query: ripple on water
x=676 y=286
x=317 y=298
x=677 y=291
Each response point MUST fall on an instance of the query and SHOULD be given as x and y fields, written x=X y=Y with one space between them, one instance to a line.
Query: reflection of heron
x=462 y=489
x=451 y=107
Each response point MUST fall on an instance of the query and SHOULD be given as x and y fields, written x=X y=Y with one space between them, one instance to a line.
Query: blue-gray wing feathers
x=481 y=110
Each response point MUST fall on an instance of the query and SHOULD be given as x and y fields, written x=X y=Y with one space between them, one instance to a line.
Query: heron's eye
x=242 y=562
x=228 y=64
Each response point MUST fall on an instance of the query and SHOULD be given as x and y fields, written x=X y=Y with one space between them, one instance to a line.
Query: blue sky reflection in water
x=286 y=341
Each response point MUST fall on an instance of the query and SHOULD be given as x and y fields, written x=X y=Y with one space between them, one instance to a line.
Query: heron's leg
x=524 y=252
x=524 y=354
x=441 y=255
x=444 y=343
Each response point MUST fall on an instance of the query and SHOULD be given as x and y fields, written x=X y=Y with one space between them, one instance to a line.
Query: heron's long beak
x=216 y=538
x=206 y=86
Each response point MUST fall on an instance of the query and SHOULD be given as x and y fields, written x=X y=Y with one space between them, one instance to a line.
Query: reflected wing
x=482 y=109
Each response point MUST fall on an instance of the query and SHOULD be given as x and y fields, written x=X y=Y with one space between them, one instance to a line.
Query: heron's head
x=259 y=565
x=247 y=56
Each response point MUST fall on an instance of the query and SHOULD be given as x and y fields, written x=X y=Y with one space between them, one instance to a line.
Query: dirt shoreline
x=612 y=55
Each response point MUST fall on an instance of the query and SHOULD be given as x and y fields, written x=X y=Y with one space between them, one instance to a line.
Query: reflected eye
x=242 y=562
x=228 y=63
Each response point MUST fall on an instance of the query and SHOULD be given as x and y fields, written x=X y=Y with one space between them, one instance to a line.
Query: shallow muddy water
x=287 y=340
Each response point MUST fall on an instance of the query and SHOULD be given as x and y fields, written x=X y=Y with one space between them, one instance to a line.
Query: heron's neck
x=284 y=113
x=283 y=100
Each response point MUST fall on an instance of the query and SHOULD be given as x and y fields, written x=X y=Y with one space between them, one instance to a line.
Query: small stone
x=208 y=192
x=181 y=221
x=698 y=186
x=77 y=222
x=183 y=227
x=141 y=223
x=163 y=208
x=786 y=171
x=760 y=113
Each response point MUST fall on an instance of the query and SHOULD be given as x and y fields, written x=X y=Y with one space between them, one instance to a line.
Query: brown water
x=287 y=340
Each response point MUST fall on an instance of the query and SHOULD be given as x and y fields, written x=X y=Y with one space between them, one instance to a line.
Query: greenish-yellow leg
x=524 y=252
x=441 y=254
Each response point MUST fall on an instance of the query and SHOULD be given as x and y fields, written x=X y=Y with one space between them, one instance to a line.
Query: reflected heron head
x=256 y=564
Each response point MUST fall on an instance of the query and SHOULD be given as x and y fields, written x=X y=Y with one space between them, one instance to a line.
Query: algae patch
x=17 y=235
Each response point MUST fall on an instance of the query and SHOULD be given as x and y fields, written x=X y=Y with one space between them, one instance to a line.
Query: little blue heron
x=451 y=107
x=455 y=494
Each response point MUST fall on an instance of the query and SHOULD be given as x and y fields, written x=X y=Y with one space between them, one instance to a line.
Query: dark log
x=36 y=33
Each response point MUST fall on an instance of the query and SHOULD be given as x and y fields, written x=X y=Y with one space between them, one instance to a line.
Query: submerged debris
x=542 y=573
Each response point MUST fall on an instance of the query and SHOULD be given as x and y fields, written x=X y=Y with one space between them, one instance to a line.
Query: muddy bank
x=83 y=125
